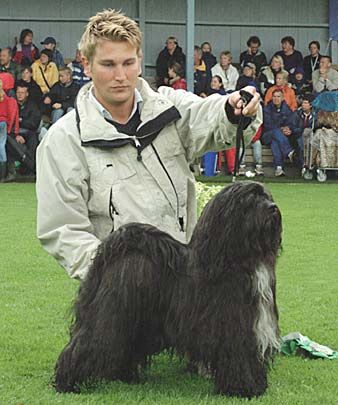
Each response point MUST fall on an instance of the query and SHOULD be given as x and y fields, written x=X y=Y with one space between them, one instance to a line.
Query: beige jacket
x=86 y=188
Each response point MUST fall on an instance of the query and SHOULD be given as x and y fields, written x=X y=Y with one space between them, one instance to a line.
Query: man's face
x=324 y=63
x=26 y=75
x=306 y=106
x=287 y=47
x=277 y=98
x=4 y=57
x=65 y=77
x=21 y=94
x=253 y=47
x=313 y=49
x=49 y=46
x=114 y=70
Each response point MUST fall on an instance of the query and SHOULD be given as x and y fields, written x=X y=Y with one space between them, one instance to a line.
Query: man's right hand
x=20 y=139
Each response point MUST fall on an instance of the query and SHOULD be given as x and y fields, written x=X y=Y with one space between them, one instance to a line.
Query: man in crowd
x=291 y=57
x=278 y=127
x=79 y=76
x=253 y=54
x=7 y=65
x=325 y=78
x=61 y=97
x=123 y=155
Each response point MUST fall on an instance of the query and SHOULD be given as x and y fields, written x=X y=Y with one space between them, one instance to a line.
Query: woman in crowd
x=267 y=77
x=45 y=72
x=25 y=52
x=283 y=85
x=226 y=71
x=176 y=79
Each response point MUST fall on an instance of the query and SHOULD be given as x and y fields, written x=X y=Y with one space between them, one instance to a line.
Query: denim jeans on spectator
x=279 y=144
x=3 y=140
x=58 y=113
x=257 y=153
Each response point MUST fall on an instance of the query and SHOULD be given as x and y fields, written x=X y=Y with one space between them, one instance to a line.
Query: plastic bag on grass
x=296 y=343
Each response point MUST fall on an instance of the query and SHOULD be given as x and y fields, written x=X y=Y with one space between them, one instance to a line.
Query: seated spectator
x=248 y=77
x=304 y=123
x=257 y=155
x=79 y=76
x=208 y=58
x=9 y=123
x=311 y=62
x=325 y=78
x=7 y=65
x=200 y=73
x=34 y=91
x=29 y=121
x=278 y=121
x=253 y=54
x=171 y=53
x=57 y=58
x=62 y=95
x=290 y=56
x=289 y=95
x=25 y=52
x=216 y=86
x=226 y=71
x=176 y=79
x=267 y=77
x=7 y=80
x=299 y=85
x=45 y=72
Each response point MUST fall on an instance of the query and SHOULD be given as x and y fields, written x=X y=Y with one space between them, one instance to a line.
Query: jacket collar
x=93 y=126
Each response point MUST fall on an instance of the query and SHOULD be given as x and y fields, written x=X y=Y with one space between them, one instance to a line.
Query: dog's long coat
x=212 y=300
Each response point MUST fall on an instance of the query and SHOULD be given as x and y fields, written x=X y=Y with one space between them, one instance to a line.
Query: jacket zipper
x=179 y=219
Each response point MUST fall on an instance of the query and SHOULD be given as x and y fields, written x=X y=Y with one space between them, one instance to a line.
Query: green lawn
x=35 y=295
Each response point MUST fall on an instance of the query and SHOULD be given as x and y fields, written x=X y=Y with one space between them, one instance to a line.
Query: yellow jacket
x=50 y=71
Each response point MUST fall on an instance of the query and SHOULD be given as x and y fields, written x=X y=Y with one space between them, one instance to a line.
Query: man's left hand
x=237 y=103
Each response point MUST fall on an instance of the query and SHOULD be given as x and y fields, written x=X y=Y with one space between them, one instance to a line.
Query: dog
x=212 y=301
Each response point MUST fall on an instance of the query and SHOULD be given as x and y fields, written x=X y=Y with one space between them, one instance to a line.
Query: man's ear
x=86 y=66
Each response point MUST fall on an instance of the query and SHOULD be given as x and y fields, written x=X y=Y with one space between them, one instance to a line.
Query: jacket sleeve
x=62 y=187
x=204 y=125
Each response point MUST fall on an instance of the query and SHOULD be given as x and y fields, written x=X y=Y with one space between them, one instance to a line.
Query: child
x=299 y=85
x=175 y=73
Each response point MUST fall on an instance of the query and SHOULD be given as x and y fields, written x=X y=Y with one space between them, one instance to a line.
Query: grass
x=35 y=295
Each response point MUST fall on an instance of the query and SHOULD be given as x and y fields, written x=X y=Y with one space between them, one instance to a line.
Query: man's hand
x=286 y=131
x=20 y=139
x=237 y=103
x=56 y=106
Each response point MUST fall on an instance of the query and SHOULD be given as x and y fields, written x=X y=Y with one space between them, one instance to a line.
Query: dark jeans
x=279 y=144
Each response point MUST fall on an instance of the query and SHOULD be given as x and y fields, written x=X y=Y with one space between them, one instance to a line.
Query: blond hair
x=109 y=25
x=279 y=59
x=284 y=74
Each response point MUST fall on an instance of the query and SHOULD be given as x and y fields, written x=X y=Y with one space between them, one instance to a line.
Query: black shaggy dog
x=212 y=300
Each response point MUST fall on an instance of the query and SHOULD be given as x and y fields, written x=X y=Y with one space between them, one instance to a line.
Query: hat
x=48 y=40
x=299 y=69
x=250 y=65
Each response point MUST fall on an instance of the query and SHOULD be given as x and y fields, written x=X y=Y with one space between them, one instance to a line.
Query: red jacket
x=180 y=84
x=9 y=113
x=18 y=54
x=7 y=81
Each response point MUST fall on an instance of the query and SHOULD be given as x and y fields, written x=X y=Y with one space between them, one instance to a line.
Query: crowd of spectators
x=286 y=84
x=37 y=89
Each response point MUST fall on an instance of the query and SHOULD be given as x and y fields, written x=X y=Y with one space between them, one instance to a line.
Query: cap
x=299 y=69
x=250 y=65
x=48 y=40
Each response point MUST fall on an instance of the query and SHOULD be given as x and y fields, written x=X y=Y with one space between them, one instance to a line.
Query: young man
x=61 y=97
x=311 y=62
x=7 y=65
x=325 y=78
x=253 y=54
x=123 y=155
x=291 y=57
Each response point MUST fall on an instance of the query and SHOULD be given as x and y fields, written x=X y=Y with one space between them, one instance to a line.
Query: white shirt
x=229 y=76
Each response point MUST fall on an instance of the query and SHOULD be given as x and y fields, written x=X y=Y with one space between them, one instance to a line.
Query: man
x=311 y=62
x=7 y=65
x=278 y=127
x=29 y=120
x=253 y=54
x=123 y=155
x=50 y=44
x=325 y=78
x=170 y=54
x=79 y=76
x=291 y=57
x=62 y=95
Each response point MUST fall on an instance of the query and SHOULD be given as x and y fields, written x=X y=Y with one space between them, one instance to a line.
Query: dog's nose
x=273 y=207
